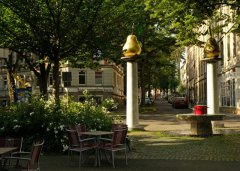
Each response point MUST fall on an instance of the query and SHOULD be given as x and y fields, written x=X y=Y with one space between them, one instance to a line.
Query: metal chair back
x=119 y=137
x=73 y=138
x=35 y=155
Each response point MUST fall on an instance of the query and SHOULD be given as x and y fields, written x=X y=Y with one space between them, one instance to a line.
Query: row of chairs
x=81 y=143
x=18 y=159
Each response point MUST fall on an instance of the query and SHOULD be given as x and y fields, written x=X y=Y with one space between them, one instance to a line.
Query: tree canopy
x=59 y=29
x=183 y=18
x=80 y=30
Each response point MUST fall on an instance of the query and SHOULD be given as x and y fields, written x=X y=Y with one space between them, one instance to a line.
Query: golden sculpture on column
x=211 y=49
x=132 y=47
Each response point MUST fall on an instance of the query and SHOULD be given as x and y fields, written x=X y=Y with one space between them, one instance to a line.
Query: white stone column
x=211 y=88
x=212 y=92
x=132 y=110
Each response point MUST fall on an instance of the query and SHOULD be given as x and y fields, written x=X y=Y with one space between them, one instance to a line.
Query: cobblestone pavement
x=164 y=145
x=177 y=145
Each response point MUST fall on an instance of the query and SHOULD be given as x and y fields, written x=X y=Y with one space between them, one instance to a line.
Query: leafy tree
x=157 y=47
x=55 y=30
x=184 y=17
x=79 y=31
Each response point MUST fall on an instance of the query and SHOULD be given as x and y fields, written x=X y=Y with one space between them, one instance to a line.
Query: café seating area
x=87 y=142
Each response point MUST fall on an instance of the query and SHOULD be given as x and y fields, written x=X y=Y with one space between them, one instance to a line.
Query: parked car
x=180 y=102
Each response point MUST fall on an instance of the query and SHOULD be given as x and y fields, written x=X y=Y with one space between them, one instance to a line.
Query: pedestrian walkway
x=164 y=119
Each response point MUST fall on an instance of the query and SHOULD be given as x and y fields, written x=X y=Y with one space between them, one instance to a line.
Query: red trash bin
x=200 y=109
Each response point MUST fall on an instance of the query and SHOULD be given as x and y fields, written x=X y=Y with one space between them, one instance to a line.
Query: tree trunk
x=11 y=86
x=42 y=74
x=149 y=81
x=43 y=80
x=55 y=90
x=11 y=68
x=155 y=92
x=143 y=83
x=43 y=86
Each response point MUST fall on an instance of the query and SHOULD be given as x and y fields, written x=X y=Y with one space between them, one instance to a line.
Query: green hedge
x=44 y=119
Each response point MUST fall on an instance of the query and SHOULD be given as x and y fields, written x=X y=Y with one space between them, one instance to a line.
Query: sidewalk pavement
x=163 y=120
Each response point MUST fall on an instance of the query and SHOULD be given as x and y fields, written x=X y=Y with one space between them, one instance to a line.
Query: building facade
x=106 y=82
x=228 y=70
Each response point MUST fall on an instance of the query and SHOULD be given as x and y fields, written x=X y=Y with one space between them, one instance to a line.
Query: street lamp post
x=131 y=51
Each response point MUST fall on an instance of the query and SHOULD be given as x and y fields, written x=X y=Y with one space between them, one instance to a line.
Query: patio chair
x=76 y=144
x=26 y=163
x=116 y=143
x=123 y=126
x=79 y=128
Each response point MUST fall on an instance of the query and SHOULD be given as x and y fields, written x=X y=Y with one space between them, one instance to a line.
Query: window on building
x=234 y=45
x=228 y=93
x=228 y=47
x=222 y=93
x=233 y=92
x=5 y=83
x=222 y=52
x=67 y=78
x=97 y=99
x=2 y=65
x=82 y=77
x=98 y=77
x=81 y=99
x=114 y=79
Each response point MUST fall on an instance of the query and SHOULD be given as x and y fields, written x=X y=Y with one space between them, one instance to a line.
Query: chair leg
x=95 y=160
x=113 y=159
x=107 y=158
x=80 y=159
x=126 y=156
x=68 y=156
x=98 y=157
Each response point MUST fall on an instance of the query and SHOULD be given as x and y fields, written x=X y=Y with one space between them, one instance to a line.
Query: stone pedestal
x=200 y=124
x=201 y=128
